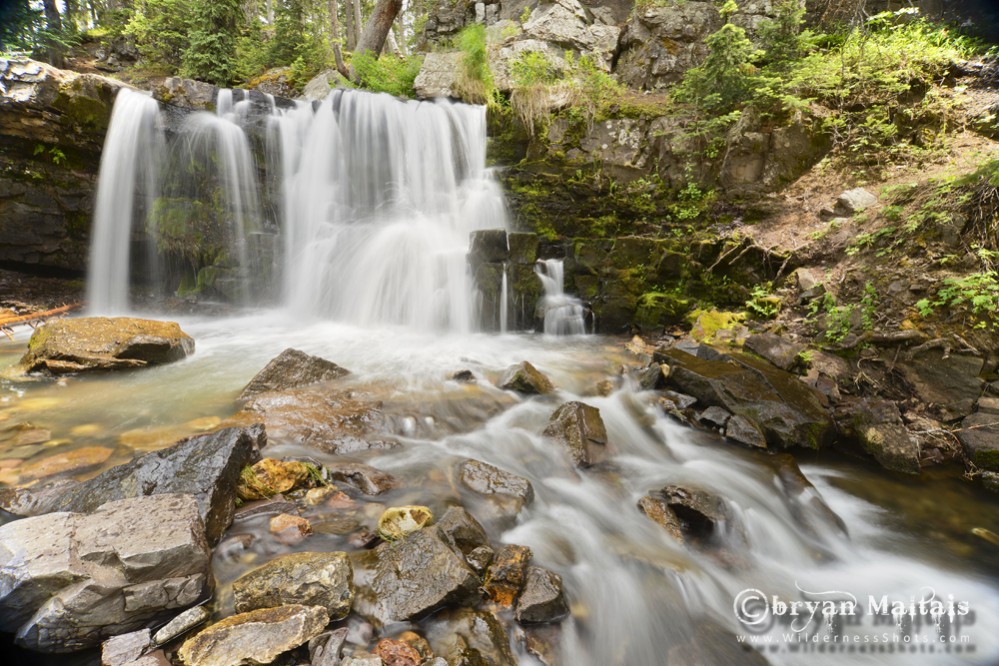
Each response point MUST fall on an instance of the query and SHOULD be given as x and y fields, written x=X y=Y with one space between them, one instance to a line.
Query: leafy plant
x=389 y=74
x=762 y=303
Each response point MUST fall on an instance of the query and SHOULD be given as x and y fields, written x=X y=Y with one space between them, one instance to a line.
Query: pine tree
x=211 y=55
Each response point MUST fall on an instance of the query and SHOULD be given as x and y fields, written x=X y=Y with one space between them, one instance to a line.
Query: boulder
x=696 y=513
x=579 y=429
x=205 y=466
x=787 y=411
x=854 y=201
x=319 y=86
x=292 y=369
x=542 y=599
x=979 y=435
x=715 y=417
x=186 y=93
x=467 y=636
x=72 y=580
x=948 y=383
x=308 y=579
x=660 y=43
x=742 y=430
x=525 y=378
x=877 y=426
x=104 y=343
x=439 y=75
x=782 y=353
x=407 y=579
x=506 y=575
x=491 y=481
x=257 y=637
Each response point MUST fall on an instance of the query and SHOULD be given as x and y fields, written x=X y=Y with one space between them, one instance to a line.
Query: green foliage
x=763 y=304
x=476 y=80
x=726 y=77
x=57 y=156
x=211 y=54
x=387 y=74
x=161 y=29
x=20 y=25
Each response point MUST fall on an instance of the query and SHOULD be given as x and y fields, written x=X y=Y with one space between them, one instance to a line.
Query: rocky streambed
x=313 y=493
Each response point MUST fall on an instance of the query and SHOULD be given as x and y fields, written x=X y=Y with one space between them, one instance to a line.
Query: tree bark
x=358 y=23
x=378 y=26
x=53 y=23
x=335 y=38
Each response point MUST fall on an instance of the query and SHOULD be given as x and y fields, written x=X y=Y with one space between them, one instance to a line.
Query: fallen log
x=8 y=322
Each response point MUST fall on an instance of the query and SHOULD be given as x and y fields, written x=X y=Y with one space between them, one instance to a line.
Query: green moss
x=658 y=309
x=707 y=323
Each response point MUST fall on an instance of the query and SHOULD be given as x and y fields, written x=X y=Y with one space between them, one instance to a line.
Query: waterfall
x=127 y=189
x=372 y=198
x=563 y=314
x=504 y=302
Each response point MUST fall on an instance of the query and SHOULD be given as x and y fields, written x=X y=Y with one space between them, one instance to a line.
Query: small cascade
x=128 y=187
x=504 y=314
x=563 y=314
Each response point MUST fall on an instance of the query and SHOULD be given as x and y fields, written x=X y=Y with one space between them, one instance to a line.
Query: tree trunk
x=358 y=22
x=335 y=38
x=93 y=12
x=270 y=12
x=391 y=45
x=72 y=21
x=53 y=23
x=378 y=26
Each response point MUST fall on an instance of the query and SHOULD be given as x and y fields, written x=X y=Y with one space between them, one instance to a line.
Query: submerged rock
x=543 y=599
x=406 y=579
x=257 y=637
x=104 y=343
x=580 y=430
x=309 y=579
x=467 y=636
x=525 y=378
x=486 y=479
x=71 y=580
x=367 y=479
x=205 y=466
x=289 y=370
x=397 y=653
x=687 y=513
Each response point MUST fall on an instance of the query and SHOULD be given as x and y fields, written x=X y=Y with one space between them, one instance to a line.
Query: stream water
x=374 y=280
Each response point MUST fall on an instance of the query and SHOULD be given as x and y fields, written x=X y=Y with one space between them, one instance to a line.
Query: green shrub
x=211 y=55
x=388 y=74
x=161 y=29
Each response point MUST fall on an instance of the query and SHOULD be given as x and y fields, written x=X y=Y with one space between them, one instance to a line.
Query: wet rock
x=782 y=353
x=336 y=422
x=181 y=624
x=406 y=579
x=715 y=417
x=656 y=508
x=123 y=649
x=365 y=478
x=205 y=466
x=462 y=531
x=543 y=599
x=400 y=521
x=479 y=558
x=308 y=579
x=878 y=426
x=488 y=246
x=72 y=461
x=417 y=642
x=289 y=529
x=544 y=641
x=268 y=477
x=742 y=430
x=268 y=507
x=979 y=436
x=948 y=383
x=104 y=343
x=71 y=580
x=525 y=378
x=326 y=648
x=489 y=480
x=854 y=201
x=788 y=412
x=580 y=430
x=466 y=636
x=695 y=513
x=506 y=575
x=464 y=376
x=712 y=644
x=653 y=378
x=680 y=400
x=257 y=637
x=289 y=370
x=397 y=653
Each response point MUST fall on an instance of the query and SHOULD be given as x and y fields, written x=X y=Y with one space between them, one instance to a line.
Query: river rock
x=367 y=479
x=949 y=383
x=257 y=637
x=397 y=522
x=461 y=530
x=104 y=343
x=397 y=653
x=326 y=649
x=506 y=575
x=580 y=430
x=877 y=426
x=71 y=580
x=979 y=436
x=787 y=411
x=308 y=579
x=486 y=479
x=124 y=649
x=525 y=378
x=288 y=529
x=406 y=579
x=779 y=351
x=205 y=466
x=467 y=636
x=269 y=477
x=181 y=624
x=543 y=599
x=742 y=430
x=292 y=369
x=696 y=513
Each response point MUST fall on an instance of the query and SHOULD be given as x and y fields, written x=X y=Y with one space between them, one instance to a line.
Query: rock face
x=438 y=75
x=578 y=428
x=257 y=637
x=46 y=198
x=787 y=411
x=570 y=25
x=71 y=580
x=292 y=369
x=104 y=343
x=205 y=466
x=309 y=579
x=406 y=579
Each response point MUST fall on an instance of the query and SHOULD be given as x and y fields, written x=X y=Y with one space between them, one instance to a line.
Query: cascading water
x=127 y=189
x=563 y=314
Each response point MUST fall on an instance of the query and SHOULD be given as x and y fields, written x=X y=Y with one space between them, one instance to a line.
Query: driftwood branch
x=8 y=322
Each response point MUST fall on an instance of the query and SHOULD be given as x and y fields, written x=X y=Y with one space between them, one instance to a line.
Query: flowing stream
x=372 y=200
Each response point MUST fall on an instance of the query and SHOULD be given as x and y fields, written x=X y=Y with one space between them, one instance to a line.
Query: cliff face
x=52 y=127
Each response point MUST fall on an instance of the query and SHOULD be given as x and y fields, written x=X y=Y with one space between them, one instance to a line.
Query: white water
x=563 y=314
x=504 y=301
x=127 y=188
